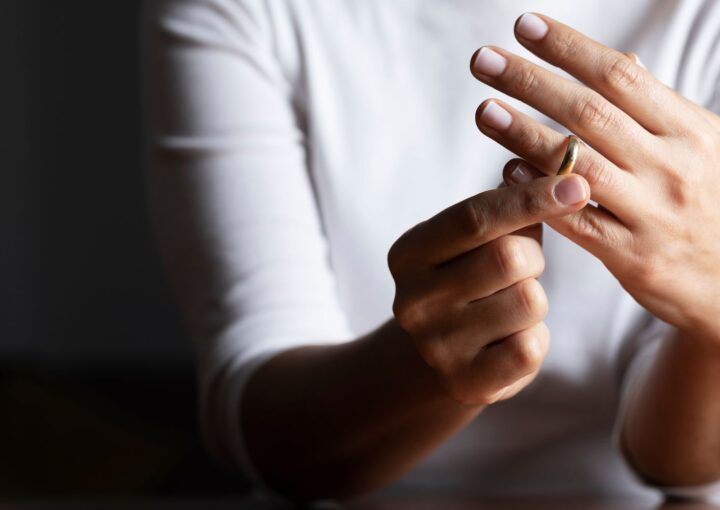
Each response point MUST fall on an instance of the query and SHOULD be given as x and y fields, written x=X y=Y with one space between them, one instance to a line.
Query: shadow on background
x=97 y=394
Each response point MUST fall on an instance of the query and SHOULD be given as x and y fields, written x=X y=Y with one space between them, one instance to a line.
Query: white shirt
x=294 y=140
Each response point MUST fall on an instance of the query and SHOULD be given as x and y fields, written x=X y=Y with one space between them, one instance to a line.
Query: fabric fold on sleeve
x=237 y=221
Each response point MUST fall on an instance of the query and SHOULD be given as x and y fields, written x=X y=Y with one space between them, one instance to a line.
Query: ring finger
x=543 y=147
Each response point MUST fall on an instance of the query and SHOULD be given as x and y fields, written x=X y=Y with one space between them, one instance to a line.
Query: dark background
x=97 y=394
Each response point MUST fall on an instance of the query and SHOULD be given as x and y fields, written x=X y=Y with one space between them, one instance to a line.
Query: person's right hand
x=466 y=287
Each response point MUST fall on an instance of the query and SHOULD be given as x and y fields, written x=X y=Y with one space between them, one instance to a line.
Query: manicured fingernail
x=521 y=173
x=489 y=62
x=570 y=191
x=531 y=27
x=496 y=117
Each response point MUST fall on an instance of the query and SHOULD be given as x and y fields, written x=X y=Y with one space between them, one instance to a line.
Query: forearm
x=337 y=421
x=671 y=432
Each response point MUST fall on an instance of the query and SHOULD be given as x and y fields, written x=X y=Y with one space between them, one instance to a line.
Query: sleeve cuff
x=631 y=386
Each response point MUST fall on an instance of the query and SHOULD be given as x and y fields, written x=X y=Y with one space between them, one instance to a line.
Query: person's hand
x=466 y=288
x=652 y=160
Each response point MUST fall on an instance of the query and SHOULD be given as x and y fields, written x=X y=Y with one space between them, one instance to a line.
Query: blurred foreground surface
x=110 y=434
x=97 y=397
x=399 y=504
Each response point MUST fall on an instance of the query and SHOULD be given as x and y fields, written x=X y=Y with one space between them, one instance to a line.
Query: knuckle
x=531 y=299
x=409 y=312
x=533 y=203
x=593 y=113
x=399 y=254
x=596 y=172
x=509 y=259
x=474 y=218
x=587 y=226
x=680 y=190
x=436 y=353
x=526 y=353
x=705 y=139
x=525 y=80
x=622 y=74
x=565 y=48
x=394 y=258
x=542 y=333
x=531 y=141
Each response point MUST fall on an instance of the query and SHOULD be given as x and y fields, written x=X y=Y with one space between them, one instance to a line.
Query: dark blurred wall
x=14 y=241
x=80 y=282
x=97 y=392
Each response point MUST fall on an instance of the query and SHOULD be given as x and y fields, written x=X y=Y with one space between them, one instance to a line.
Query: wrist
x=393 y=347
x=701 y=324
x=698 y=341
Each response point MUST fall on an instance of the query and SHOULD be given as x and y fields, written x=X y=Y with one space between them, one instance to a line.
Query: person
x=373 y=313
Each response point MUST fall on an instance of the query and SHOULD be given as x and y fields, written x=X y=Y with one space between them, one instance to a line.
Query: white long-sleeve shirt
x=294 y=140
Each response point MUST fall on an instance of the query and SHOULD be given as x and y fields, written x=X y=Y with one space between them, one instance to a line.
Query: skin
x=467 y=327
x=652 y=169
x=467 y=331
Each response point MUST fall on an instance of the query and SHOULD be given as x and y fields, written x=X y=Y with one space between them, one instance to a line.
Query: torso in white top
x=296 y=140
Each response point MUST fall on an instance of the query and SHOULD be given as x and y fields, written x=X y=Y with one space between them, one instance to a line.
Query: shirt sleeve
x=648 y=344
x=236 y=217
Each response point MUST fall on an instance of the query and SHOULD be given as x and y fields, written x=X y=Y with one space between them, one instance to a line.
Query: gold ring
x=571 y=154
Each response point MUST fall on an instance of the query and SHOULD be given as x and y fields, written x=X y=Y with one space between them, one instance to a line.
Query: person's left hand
x=651 y=157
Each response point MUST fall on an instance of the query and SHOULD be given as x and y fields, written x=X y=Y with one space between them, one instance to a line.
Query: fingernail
x=521 y=173
x=638 y=61
x=570 y=191
x=496 y=117
x=531 y=27
x=489 y=62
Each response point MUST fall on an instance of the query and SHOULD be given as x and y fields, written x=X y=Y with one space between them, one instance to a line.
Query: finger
x=543 y=148
x=620 y=79
x=454 y=337
x=489 y=268
x=484 y=217
x=504 y=362
x=512 y=309
x=517 y=171
x=595 y=229
x=582 y=110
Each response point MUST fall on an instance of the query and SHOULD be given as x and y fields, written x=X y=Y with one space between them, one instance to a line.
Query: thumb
x=589 y=227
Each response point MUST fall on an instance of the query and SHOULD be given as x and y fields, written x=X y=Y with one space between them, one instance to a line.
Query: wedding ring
x=571 y=154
